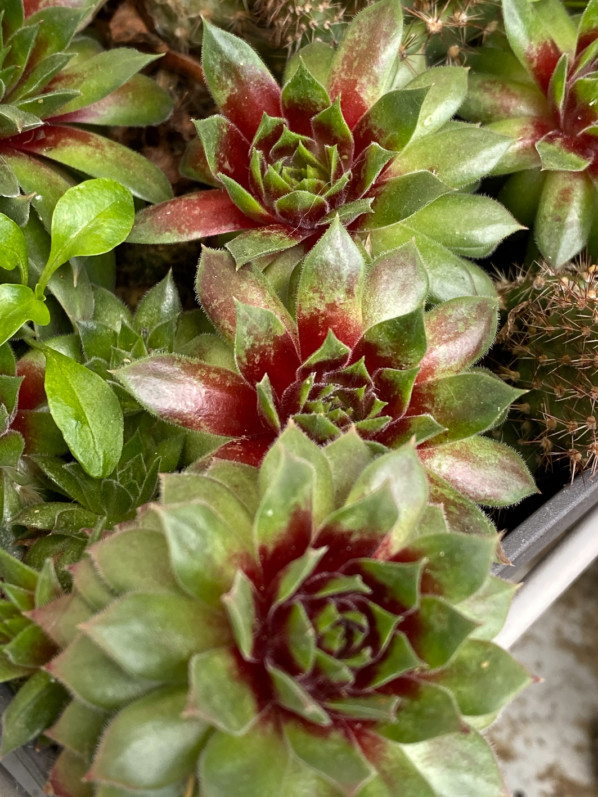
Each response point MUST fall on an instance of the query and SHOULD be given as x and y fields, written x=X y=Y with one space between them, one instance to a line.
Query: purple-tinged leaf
x=395 y=284
x=188 y=218
x=97 y=156
x=245 y=200
x=560 y=153
x=303 y=96
x=330 y=288
x=301 y=208
x=238 y=79
x=219 y=283
x=424 y=712
x=565 y=215
x=194 y=395
x=458 y=332
x=522 y=154
x=484 y=470
x=364 y=63
x=367 y=170
x=251 y=245
x=240 y=605
x=588 y=26
x=263 y=346
x=394 y=386
x=530 y=40
x=436 y=630
x=226 y=149
x=395 y=343
x=466 y=404
x=31 y=172
x=140 y=101
x=194 y=164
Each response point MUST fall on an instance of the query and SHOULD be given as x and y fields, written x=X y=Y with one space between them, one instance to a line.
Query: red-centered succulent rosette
x=359 y=351
x=543 y=92
x=351 y=133
x=294 y=630
x=55 y=84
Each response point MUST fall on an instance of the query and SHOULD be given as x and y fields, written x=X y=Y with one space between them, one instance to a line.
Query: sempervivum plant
x=549 y=338
x=351 y=133
x=52 y=82
x=544 y=93
x=293 y=630
x=359 y=350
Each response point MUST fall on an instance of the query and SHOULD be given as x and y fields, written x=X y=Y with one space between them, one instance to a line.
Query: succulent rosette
x=293 y=630
x=55 y=84
x=352 y=133
x=542 y=91
x=359 y=350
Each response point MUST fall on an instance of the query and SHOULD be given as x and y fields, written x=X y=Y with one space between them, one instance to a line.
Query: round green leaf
x=89 y=219
x=87 y=413
x=14 y=247
x=19 y=305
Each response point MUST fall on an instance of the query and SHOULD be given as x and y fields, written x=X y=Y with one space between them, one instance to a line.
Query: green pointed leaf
x=79 y=728
x=403 y=197
x=125 y=631
x=399 y=659
x=402 y=471
x=132 y=755
x=438 y=631
x=218 y=693
x=458 y=156
x=94 y=678
x=87 y=413
x=36 y=706
x=392 y=120
x=234 y=765
x=204 y=550
x=483 y=678
x=348 y=455
x=484 y=470
x=446 y=89
x=468 y=225
x=458 y=333
x=14 y=248
x=367 y=58
x=452 y=765
x=239 y=603
x=450 y=401
x=303 y=96
x=425 y=712
x=100 y=157
x=370 y=518
x=291 y=696
x=332 y=754
x=456 y=565
x=301 y=637
x=296 y=572
x=16 y=572
x=557 y=157
x=20 y=305
x=489 y=607
x=564 y=217
x=287 y=502
x=530 y=40
x=400 y=579
x=239 y=81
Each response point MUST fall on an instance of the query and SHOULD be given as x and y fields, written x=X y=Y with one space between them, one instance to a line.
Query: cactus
x=550 y=335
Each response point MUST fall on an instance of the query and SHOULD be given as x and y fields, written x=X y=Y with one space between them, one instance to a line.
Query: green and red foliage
x=543 y=93
x=358 y=351
x=314 y=618
x=54 y=84
x=352 y=133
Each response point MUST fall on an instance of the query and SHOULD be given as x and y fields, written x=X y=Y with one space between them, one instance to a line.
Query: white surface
x=547 y=740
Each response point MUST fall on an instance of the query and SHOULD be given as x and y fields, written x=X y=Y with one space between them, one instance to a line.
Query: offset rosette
x=293 y=630
x=351 y=133
x=358 y=351
x=51 y=82
x=542 y=91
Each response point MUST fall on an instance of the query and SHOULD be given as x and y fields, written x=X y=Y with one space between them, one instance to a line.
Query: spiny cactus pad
x=550 y=335
x=289 y=630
